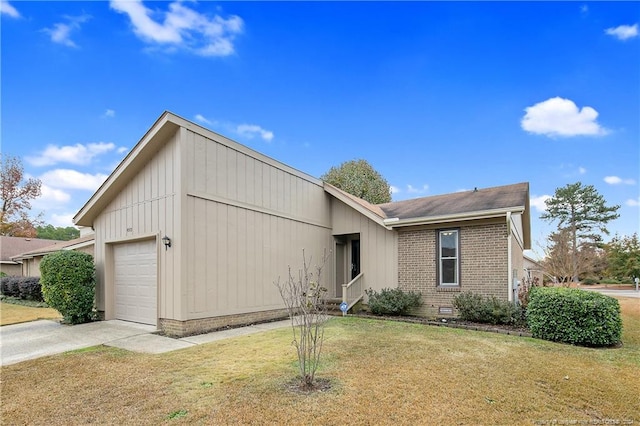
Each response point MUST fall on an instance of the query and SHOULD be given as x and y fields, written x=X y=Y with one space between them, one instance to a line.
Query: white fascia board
x=80 y=245
x=484 y=214
x=160 y=123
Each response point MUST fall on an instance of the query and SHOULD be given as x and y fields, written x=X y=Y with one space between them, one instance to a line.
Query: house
x=31 y=259
x=13 y=246
x=533 y=269
x=192 y=230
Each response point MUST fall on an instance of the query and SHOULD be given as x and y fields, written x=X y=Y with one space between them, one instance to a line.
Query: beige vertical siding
x=517 y=252
x=246 y=219
x=144 y=208
x=378 y=245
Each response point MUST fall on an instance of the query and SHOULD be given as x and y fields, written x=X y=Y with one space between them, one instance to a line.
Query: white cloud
x=251 y=130
x=61 y=32
x=122 y=150
x=63 y=220
x=582 y=170
x=201 y=118
x=182 y=27
x=423 y=190
x=109 y=113
x=561 y=117
x=72 y=179
x=539 y=202
x=74 y=154
x=410 y=189
x=623 y=32
x=53 y=195
x=633 y=202
x=615 y=180
x=50 y=198
x=9 y=10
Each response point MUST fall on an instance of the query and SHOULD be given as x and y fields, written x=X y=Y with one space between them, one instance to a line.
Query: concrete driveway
x=30 y=340
x=612 y=292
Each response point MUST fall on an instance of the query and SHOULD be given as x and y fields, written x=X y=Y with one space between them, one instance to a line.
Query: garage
x=136 y=284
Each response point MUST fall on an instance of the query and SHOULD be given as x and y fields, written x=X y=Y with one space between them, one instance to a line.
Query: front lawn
x=382 y=372
x=11 y=313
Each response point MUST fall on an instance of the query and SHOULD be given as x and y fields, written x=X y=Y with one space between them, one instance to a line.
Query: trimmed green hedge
x=68 y=284
x=26 y=288
x=574 y=316
x=392 y=301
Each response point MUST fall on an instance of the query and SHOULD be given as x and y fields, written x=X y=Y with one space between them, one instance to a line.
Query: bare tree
x=304 y=298
x=565 y=263
x=558 y=260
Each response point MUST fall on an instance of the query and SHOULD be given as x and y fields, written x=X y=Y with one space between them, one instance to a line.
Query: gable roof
x=372 y=211
x=87 y=240
x=13 y=246
x=164 y=127
x=467 y=205
x=476 y=204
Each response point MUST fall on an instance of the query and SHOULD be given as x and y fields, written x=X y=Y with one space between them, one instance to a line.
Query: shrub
x=392 y=301
x=574 y=316
x=487 y=310
x=9 y=286
x=68 y=284
x=26 y=288
x=30 y=289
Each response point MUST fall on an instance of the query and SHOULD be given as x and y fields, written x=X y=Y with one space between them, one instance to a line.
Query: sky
x=438 y=96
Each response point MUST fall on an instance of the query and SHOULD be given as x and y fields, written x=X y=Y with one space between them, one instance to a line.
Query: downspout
x=509 y=260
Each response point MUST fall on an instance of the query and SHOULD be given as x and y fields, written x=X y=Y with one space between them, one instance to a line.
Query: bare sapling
x=304 y=298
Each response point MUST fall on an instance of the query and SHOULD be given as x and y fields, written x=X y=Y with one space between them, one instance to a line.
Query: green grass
x=381 y=372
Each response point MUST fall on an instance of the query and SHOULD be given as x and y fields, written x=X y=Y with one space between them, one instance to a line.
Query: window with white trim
x=449 y=257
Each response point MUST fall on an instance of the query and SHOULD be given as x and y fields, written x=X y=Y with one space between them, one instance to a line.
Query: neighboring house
x=192 y=230
x=31 y=259
x=13 y=246
x=533 y=269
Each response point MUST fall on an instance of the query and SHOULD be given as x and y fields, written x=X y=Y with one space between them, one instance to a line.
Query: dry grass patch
x=14 y=314
x=381 y=373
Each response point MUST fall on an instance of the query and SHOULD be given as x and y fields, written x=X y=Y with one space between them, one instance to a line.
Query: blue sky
x=437 y=96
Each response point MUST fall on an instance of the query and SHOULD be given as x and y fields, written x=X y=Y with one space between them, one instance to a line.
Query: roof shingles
x=13 y=246
x=478 y=200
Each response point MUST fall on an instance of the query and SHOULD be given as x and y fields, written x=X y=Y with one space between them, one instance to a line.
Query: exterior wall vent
x=445 y=310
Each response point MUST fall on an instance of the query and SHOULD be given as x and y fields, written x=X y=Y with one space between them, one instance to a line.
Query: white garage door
x=136 y=281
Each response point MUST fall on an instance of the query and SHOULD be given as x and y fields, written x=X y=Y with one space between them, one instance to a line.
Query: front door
x=355 y=258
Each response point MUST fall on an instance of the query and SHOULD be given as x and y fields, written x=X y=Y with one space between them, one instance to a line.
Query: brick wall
x=177 y=328
x=483 y=265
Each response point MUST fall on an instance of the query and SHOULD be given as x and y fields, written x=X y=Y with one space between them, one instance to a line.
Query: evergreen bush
x=487 y=310
x=574 y=316
x=26 y=288
x=392 y=301
x=68 y=284
x=9 y=286
x=30 y=289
